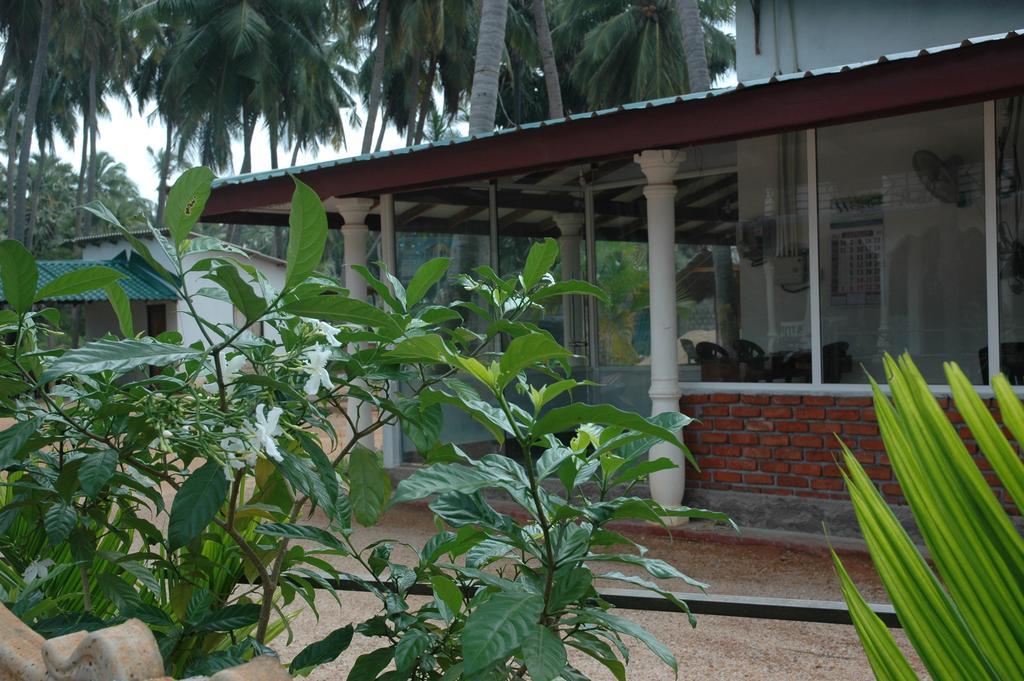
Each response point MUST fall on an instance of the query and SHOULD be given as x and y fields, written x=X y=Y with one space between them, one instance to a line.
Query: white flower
x=37 y=569
x=316 y=366
x=326 y=330
x=229 y=372
x=237 y=452
x=262 y=434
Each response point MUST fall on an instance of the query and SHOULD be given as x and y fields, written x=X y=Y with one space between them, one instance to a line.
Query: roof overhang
x=973 y=71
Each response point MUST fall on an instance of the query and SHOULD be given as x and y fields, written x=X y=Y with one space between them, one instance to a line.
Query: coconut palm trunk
x=547 y=58
x=80 y=187
x=483 y=100
x=377 y=82
x=12 y=150
x=697 y=73
x=165 y=171
x=29 y=124
x=92 y=126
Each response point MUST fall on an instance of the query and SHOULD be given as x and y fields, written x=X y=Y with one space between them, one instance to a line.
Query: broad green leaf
x=369 y=486
x=307 y=236
x=412 y=645
x=381 y=288
x=498 y=627
x=600 y=651
x=122 y=308
x=230 y=617
x=630 y=628
x=339 y=309
x=58 y=521
x=651 y=586
x=527 y=351
x=572 y=287
x=430 y=348
x=426 y=276
x=539 y=261
x=19 y=275
x=438 y=479
x=368 y=665
x=79 y=281
x=656 y=567
x=544 y=654
x=14 y=439
x=186 y=201
x=119 y=591
x=120 y=356
x=423 y=426
x=447 y=591
x=241 y=292
x=883 y=654
x=562 y=419
x=303 y=532
x=323 y=651
x=196 y=504
x=97 y=469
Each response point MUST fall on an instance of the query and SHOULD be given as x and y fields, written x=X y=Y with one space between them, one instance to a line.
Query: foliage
x=228 y=444
x=965 y=616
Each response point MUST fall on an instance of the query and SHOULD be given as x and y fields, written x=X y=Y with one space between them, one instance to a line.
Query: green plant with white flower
x=204 y=490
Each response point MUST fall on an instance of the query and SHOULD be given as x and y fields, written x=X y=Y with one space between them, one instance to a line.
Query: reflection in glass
x=1010 y=203
x=902 y=244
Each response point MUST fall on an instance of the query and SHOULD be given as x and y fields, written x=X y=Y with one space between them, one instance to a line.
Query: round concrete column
x=355 y=235
x=659 y=167
x=569 y=226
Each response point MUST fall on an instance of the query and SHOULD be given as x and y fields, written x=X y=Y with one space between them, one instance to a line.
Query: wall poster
x=856 y=246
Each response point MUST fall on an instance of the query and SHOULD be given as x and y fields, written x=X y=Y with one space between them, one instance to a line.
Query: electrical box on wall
x=791 y=271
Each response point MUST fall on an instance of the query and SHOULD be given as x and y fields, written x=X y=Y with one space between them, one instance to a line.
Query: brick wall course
x=787 y=444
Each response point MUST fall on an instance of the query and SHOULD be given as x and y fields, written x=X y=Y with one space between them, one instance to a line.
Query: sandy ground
x=719 y=648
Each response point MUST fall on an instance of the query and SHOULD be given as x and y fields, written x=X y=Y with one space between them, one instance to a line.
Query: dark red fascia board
x=971 y=73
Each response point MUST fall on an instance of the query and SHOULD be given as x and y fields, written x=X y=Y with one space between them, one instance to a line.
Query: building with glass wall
x=761 y=248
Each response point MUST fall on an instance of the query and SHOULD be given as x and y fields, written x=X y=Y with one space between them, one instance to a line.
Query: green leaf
x=630 y=628
x=230 y=618
x=430 y=348
x=14 y=439
x=656 y=567
x=196 y=504
x=498 y=627
x=96 y=470
x=120 y=356
x=19 y=275
x=79 y=281
x=426 y=276
x=58 y=522
x=242 y=295
x=307 y=236
x=562 y=419
x=369 y=665
x=651 y=586
x=186 y=201
x=412 y=645
x=527 y=351
x=339 y=309
x=323 y=651
x=369 y=486
x=571 y=287
x=423 y=426
x=103 y=213
x=447 y=591
x=438 y=479
x=544 y=654
x=122 y=308
x=539 y=261
x=883 y=654
x=303 y=532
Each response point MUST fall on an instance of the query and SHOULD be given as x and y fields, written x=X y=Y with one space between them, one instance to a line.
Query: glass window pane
x=1010 y=203
x=902 y=238
x=741 y=254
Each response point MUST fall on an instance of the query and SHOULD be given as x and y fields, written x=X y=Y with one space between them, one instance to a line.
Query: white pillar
x=355 y=234
x=569 y=226
x=659 y=166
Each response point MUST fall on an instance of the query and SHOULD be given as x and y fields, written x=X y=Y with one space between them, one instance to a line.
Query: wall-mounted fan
x=939 y=177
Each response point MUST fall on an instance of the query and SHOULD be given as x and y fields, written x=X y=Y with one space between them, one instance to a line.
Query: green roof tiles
x=139 y=281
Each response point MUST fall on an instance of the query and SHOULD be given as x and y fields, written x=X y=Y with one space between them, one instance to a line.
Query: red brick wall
x=786 y=444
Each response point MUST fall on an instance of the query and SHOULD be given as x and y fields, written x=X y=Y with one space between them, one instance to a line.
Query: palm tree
x=483 y=103
x=631 y=50
x=381 y=34
x=17 y=227
x=547 y=56
x=693 y=45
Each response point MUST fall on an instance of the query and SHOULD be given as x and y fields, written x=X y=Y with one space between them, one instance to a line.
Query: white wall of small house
x=797 y=35
x=179 y=316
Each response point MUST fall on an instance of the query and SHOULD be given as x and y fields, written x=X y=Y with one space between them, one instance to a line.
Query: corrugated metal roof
x=761 y=82
x=139 y=281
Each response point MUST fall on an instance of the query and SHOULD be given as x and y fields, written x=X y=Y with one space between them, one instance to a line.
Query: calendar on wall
x=856 y=246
